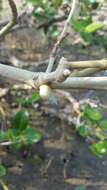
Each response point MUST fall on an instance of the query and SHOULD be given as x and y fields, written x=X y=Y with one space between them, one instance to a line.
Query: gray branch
x=63 y=77
x=13 y=21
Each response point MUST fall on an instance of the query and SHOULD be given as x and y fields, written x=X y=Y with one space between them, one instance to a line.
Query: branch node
x=66 y=72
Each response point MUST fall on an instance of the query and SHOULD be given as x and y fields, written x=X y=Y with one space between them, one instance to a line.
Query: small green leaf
x=29 y=101
x=100 y=136
x=83 y=130
x=93 y=27
x=99 y=148
x=92 y=113
x=2 y=170
x=20 y=120
x=30 y=136
x=80 y=25
x=88 y=37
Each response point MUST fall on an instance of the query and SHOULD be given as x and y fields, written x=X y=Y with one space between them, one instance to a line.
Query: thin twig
x=61 y=38
x=13 y=21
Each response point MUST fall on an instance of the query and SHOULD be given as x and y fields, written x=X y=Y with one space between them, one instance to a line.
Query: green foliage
x=80 y=24
x=20 y=120
x=99 y=148
x=20 y=134
x=94 y=127
x=2 y=170
x=87 y=29
x=30 y=136
x=93 y=27
x=45 y=11
x=30 y=100
x=92 y=113
x=84 y=129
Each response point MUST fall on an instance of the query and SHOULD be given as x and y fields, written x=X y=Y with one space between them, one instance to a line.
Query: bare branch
x=61 y=78
x=17 y=74
x=36 y=78
x=61 y=37
x=85 y=72
x=13 y=21
x=101 y=64
x=95 y=83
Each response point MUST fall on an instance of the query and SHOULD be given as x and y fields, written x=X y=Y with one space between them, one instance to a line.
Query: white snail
x=44 y=91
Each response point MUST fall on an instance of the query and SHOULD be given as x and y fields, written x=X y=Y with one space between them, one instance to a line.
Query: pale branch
x=85 y=72
x=37 y=78
x=17 y=74
x=13 y=21
x=95 y=83
x=61 y=37
x=62 y=77
x=101 y=64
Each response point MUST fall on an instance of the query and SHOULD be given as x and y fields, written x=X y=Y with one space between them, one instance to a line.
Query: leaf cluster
x=20 y=133
x=94 y=127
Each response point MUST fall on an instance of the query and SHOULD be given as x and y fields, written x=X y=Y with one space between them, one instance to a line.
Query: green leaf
x=20 y=120
x=99 y=148
x=103 y=125
x=87 y=36
x=2 y=170
x=100 y=136
x=30 y=136
x=92 y=113
x=29 y=101
x=83 y=130
x=93 y=27
x=80 y=25
x=9 y=135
